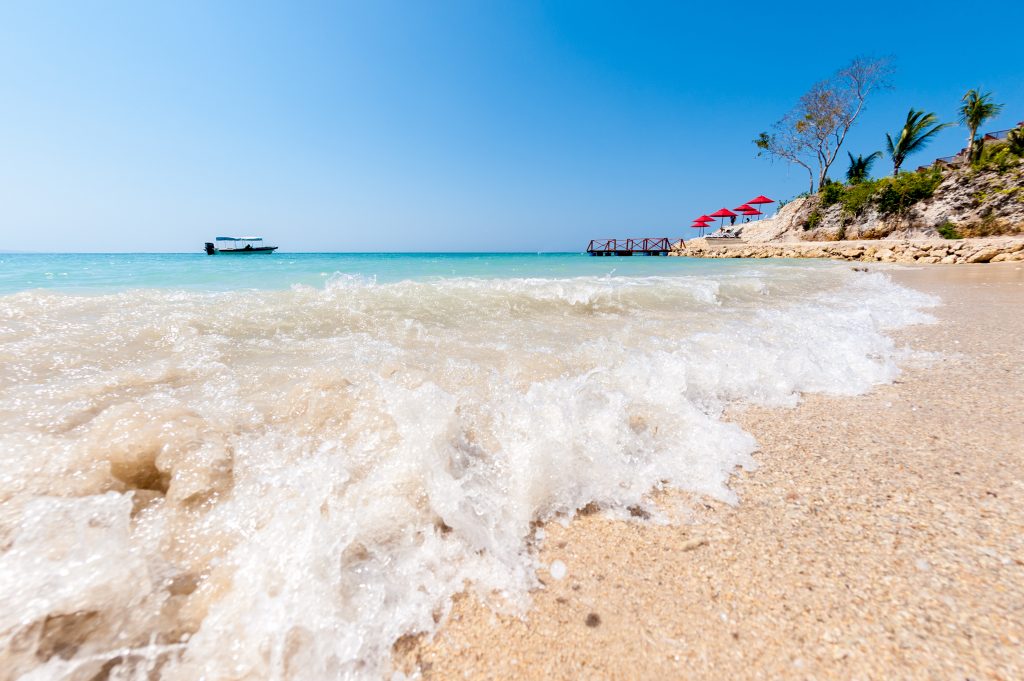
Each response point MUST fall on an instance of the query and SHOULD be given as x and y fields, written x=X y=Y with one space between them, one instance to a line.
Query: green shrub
x=831 y=193
x=998 y=157
x=899 y=193
x=813 y=220
x=948 y=231
x=1015 y=141
x=891 y=195
x=858 y=197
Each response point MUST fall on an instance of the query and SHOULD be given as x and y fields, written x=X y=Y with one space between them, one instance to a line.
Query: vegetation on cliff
x=890 y=195
x=981 y=199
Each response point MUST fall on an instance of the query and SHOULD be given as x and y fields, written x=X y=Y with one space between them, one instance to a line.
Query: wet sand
x=881 y=537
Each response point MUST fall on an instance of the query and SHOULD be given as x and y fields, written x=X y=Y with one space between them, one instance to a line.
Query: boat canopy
x=239 y=238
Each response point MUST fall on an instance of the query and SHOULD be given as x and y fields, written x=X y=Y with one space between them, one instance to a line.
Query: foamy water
x=280 y=483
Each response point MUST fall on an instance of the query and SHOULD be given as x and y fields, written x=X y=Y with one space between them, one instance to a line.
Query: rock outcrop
x=974 y=202
x=786 y=225
x=921 y=251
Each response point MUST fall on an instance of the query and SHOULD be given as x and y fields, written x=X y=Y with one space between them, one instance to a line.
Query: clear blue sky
x=472 y=125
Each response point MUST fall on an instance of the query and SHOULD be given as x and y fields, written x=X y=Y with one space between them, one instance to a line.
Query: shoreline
x=907 y=251
x=880 y=536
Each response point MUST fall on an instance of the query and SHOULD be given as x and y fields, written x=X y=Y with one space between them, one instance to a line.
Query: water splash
x=280 y=484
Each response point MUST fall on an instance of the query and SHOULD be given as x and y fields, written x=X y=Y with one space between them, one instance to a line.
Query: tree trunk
x=970 y=144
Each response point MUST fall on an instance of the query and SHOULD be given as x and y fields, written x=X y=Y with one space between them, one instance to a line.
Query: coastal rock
x=984 y=255
x=924 y=252
x=784 y=226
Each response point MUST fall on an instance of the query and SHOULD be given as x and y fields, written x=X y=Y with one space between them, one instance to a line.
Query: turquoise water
x=229 y=462
x=199 y=272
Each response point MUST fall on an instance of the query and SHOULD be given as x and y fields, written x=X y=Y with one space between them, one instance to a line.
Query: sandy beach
x=882 y=536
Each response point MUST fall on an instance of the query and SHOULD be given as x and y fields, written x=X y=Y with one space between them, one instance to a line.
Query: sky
x=445 y=125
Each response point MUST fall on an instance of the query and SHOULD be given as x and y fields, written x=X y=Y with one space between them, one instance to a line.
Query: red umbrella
x=705 y=218
x=760 y=200
x=744 y=207
x=723 y=213
x=699 y=224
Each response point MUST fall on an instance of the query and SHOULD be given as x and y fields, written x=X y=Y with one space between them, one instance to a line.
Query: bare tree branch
x=813 y=132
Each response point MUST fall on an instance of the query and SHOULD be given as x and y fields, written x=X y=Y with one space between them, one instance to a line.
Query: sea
x=276 y=466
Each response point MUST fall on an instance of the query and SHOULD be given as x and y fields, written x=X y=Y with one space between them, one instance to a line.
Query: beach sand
x=881 y=537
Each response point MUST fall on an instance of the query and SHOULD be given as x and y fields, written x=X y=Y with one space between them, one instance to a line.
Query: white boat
x=238 y=244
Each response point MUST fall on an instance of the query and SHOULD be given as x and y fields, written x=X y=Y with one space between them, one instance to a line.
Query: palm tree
x=916 y=134
x=1015 y=141
x=860 y=167
x=975 y=110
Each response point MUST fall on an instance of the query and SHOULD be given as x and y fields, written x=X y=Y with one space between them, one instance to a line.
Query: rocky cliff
x=929 y=204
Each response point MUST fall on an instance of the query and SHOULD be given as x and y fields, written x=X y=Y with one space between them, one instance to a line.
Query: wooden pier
x=657 y=246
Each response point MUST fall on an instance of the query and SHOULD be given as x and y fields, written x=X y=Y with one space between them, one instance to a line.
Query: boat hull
x=244 y=251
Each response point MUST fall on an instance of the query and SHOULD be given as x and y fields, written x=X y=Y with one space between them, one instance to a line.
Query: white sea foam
x=282 y=484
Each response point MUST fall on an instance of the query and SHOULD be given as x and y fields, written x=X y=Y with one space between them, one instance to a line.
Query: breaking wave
x=280 y=484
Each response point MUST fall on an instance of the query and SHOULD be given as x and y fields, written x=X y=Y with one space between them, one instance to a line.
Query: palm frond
x=860 y=166
x=977 y=108
x=922 y=132
x=917 y=132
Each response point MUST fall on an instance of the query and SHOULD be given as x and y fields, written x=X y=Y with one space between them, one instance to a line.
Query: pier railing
x=645 y=246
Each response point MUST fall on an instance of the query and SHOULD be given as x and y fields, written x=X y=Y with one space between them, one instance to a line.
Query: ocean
x=275 y=466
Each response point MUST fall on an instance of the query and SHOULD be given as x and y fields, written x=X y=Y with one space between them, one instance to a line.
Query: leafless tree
x=813 y=132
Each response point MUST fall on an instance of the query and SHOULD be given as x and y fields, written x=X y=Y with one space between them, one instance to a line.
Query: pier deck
x=650 y=246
